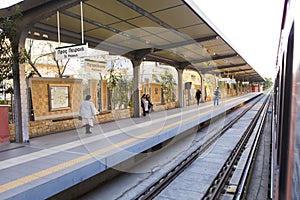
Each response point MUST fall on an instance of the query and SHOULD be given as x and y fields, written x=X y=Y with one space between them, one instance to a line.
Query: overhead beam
x=73 y=37
x=115 y=31
x=33 y=11
x=145 y=13
x=205 y=70
x=155 y=58
x=215 y=57
x=185 y=43
x=250 y=77
x=237 y=71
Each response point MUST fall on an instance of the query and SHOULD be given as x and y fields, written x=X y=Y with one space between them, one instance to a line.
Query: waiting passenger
x=150 y=105
x=144 y=104
x=216 y=96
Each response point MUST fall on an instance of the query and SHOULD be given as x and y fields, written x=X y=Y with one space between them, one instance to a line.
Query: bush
x=4 y=102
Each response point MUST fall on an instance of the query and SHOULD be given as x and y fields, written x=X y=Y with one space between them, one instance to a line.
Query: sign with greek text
x=94 y=66
x=230 y=81
x=74 y=51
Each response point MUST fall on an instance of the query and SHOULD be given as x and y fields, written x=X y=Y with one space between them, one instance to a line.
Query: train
x=285 y=167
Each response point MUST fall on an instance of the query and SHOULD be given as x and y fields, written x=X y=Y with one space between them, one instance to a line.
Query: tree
x=28 y=58
x=61 y=66
x=112 y=82
x=268 y=83
x=168 y=83
x=8 y=32
x=5 y=60
x=123 y=91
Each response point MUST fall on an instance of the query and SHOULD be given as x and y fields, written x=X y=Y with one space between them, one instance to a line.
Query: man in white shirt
x=87 y=112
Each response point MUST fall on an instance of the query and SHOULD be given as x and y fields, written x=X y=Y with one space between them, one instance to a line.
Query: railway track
x=219 y=185
x=161 y=165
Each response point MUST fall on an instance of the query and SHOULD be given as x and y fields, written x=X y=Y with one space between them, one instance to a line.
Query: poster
x=59 y=97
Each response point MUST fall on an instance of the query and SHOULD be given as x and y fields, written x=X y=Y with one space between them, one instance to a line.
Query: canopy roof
x=167 y=31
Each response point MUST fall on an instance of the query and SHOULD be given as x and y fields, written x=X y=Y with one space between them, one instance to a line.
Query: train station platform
x=53 y=163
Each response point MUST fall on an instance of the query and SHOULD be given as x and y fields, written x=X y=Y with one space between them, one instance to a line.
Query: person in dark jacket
x=198 y=96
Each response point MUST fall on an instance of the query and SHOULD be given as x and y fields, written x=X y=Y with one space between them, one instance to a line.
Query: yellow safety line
x=43 y=173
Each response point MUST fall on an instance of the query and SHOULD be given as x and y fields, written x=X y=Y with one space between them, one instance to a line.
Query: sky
x=8 y=3
x=251 y=27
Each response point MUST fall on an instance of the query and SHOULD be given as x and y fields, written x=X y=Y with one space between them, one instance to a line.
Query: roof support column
x=237 y=83
x=137 y=58
x=17 y=95
x=136 y=89
x=216 y=81
x=202 y=88
x=180 y=88
x=21 y=113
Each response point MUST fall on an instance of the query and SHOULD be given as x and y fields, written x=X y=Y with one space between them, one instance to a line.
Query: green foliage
x=122 y=92
x=8 y=35
x=168 y=84
x=4 y=102
x=6 y=54
x=113 y=79
x=8 y=26
x=120 y=89
x=268 y=83
x=221 y=84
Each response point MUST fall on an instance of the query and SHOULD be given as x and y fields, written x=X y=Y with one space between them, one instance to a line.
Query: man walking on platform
x=198 y=96
x=87 y=112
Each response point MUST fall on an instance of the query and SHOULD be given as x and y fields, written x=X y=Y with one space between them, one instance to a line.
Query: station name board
x=74 y=51
x=94 y=66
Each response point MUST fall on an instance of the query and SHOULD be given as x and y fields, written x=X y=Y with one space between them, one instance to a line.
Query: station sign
x=223 y=79
x=73 y=51
x=94 y=66
x=230 y=81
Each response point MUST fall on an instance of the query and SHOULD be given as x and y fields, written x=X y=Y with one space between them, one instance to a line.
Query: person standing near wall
x=150 y=105
x=198 y=96
x=216 y=96
x=144 y=104
x=87 y=112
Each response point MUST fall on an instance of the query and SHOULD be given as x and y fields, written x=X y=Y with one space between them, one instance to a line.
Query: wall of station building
x=47 y=120
x=41 y=97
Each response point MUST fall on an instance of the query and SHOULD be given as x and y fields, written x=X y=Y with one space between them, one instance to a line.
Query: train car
x=285 y=170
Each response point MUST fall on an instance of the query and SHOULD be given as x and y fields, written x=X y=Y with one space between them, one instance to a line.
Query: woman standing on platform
x=87 y=112
x=150 y=105
x=144 y=104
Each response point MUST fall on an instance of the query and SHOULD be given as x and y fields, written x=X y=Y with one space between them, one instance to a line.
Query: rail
x=215 y=190
x=167 y=178
x=243 y=183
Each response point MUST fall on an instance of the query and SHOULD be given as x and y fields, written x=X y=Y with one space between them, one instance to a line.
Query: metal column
x=180 y=88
